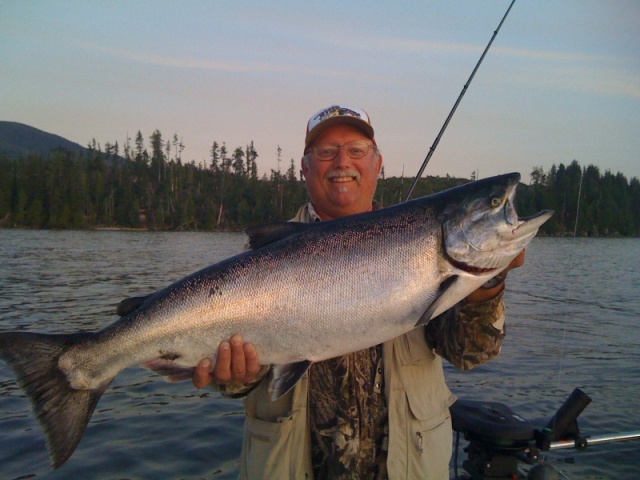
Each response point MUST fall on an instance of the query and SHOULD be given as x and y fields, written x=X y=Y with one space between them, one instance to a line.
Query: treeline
x=151 y=188
x=586 y=201
x=144 y=188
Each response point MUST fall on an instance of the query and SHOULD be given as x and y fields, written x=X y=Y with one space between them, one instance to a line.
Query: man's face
x=342 y=186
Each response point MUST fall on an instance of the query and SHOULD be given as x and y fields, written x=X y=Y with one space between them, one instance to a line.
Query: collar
x=313 y=216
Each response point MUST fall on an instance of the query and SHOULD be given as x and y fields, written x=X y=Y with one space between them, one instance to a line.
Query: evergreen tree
x=215 y=158
x=159 y=191
x=6 y=187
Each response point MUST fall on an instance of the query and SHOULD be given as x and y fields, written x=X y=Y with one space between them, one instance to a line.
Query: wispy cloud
x=570 y=71
x=426 y=47
x=150 y=58
x=168 y=61
x=591 y=80
x=249 y=66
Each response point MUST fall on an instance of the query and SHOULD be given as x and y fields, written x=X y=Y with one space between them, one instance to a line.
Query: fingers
x=222 y=369
x=202 y=375
x=237 y=362
x=518 y=261
x=252 y=363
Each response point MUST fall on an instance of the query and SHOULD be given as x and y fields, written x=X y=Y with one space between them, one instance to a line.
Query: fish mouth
x=529 y=225
x=468 y=268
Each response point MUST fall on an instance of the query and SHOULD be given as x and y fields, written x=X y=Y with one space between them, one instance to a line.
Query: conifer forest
x=151 y=187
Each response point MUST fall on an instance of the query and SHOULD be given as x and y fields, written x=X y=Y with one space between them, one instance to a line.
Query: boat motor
x=499 y=438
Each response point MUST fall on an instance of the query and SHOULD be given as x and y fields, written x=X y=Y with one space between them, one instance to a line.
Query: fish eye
x=496 y=202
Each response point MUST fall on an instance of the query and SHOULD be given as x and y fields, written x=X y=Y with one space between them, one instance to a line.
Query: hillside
x=18 y=140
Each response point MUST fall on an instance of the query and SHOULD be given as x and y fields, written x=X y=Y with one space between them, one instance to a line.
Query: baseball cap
x=334 y=115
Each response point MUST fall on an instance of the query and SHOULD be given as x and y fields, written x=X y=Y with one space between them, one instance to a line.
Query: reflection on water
x=572 y=322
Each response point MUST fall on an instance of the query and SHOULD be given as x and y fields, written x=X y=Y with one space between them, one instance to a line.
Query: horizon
x=263 y=174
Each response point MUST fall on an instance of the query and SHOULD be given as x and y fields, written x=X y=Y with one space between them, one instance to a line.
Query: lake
x=572 y=321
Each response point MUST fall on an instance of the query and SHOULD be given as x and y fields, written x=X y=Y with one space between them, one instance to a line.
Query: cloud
x=570 y=71
x=248 y=66
x=584 y=78
x=530 y=54
x=423 y=47
x=168 y=61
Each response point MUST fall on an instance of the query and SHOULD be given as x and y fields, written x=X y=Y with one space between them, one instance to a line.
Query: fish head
x=482 y=232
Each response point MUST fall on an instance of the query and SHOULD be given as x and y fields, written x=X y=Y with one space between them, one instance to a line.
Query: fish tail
x=63 y=412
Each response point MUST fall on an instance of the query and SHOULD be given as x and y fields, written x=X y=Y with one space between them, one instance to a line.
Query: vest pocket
x=273 y=449
x=432 y=442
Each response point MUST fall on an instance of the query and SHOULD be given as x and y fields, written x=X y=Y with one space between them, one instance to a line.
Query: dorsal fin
x=262 y=235
x=131 y=304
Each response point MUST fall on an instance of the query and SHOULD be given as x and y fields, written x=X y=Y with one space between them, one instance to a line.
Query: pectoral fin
x=439 y=300
x=286 y=376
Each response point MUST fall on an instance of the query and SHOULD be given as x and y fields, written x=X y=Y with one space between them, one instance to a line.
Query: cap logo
x=336 y=111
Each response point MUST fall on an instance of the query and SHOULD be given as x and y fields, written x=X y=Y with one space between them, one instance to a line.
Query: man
x=382 y=412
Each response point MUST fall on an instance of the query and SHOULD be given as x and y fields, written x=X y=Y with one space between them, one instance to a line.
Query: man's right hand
x=237 y=362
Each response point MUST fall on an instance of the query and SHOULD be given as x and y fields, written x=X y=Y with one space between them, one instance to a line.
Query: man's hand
x=237 y=362
x=485 y=294
x=518 y=261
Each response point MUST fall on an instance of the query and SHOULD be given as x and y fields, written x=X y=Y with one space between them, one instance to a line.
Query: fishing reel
x=499 y=438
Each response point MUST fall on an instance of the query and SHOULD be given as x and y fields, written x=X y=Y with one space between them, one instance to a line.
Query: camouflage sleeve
x=239 y=390
x=469 y=334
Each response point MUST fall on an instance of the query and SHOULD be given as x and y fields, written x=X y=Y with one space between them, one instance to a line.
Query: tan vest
x=277 y=442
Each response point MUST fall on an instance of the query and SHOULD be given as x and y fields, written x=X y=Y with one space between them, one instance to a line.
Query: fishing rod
x=455 y=106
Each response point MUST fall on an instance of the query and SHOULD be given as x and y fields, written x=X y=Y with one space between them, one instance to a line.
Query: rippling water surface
x=572 y=322
x=573 y=316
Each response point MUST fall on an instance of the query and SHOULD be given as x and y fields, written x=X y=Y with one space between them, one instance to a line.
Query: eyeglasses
x=355 y=149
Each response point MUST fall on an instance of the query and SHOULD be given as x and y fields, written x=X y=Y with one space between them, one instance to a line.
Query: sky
x=561 y=81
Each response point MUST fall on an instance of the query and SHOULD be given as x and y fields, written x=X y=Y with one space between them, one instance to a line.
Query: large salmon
x=302 y=294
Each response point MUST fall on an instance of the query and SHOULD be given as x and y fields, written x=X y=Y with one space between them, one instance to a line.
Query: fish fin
x=444 y=286
x=286 y=376
x=181 y=377
x=129 y=305
x=62 y=411
x=262 y=235
x=166 y=367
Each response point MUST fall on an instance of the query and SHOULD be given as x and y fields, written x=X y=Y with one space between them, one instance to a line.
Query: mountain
x=18 y=140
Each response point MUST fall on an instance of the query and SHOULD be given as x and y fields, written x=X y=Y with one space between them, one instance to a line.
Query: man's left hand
x=484 y=294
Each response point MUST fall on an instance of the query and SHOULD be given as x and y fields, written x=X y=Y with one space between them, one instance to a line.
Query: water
x=573 y=317
x=572 y=322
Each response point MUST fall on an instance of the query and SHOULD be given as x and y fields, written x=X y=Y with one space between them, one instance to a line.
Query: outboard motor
x=499 y=438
